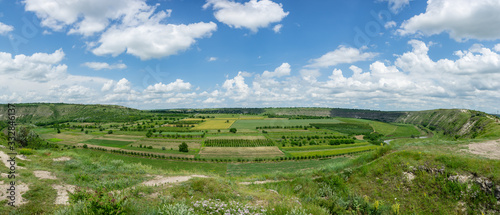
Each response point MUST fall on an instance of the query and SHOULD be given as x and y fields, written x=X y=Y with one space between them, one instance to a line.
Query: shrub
x=183 y=147
x=233 y=130
x=176 y=209
x=110 y=131
x=163 y=148
x=25 y=151
x=85 y=146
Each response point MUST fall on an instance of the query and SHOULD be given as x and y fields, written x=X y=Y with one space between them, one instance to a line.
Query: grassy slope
x=455 y=122
x=46 y=113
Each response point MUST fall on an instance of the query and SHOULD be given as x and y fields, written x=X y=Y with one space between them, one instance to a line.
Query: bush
x=85 y=146
x=99 y=201
x=177 y=209
x=183 y=147
x=25 y=151
x=233 y=130
x=163 y=148
x=110 y=131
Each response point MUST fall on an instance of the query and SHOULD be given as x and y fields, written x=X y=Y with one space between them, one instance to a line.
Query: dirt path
x=62 y=193
x=44 y=174
x=489 y=149
x=161 y=180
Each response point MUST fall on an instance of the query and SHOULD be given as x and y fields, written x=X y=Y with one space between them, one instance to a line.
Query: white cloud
x=152 y=40
x=236 y=88
x=4 y=28
x=397 y=5
x=103 y=65
x=212 y=59
x=461 y=19
x=39 y=67
x=129 y=26
x=341 y=55
x=85 y=17
x=253 y=14
x=177 y=86
x=390 y=24
x=281 y=71
x=497 y=47
x=277 y=28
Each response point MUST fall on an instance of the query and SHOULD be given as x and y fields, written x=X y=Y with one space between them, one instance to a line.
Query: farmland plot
x=240 y=152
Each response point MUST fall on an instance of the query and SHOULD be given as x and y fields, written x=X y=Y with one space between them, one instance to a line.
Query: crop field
x=347 y=128
x=108 y=143
x=213 y=124
x=239 y=136
x=247 y=169
x=252 y=124
x=240 y=152
x=323 y=147
x=238 y=143
x=158 y=143
x=340 y=151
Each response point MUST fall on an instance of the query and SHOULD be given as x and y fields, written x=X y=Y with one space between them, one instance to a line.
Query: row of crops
x=237 y=143
x=346 y=128
x=314 y=137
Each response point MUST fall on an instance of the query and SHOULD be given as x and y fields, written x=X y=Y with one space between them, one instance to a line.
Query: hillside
x=47 y=113
x=458 y=123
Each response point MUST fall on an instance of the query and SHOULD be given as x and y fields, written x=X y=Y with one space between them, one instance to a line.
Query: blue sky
x=381 y=54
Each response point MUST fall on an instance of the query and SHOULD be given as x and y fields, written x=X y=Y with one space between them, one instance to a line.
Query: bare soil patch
x=156 y=153
x=271 y=151
x=161 y=180
x=44 y=175
x=20 y=190
x=62 y=193
x=489 y=149
x=62 y=159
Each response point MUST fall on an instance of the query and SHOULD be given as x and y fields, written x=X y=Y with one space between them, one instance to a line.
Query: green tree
x=149 y=134
x=233 y=130
x=183 y=147
x=110 y=131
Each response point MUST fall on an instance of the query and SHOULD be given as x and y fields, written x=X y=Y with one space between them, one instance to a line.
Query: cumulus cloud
x=341 y=55
x=281 y=71
x=277 y=28
x=4 y=28
x=390 y=24
x=103 y=65
x=212 y=59
x=397 y=5
x=497 y=47
x=39 y=67
x=84 y=17
x=461 y=19
x=153 y=40
x=253 y=14
x=178 y=85
x=130 y=26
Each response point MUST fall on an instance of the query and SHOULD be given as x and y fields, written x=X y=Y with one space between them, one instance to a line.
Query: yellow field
x=212 y=124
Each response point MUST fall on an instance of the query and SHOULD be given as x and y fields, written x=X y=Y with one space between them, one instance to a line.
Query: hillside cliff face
x=43 y=113
x=457 y=123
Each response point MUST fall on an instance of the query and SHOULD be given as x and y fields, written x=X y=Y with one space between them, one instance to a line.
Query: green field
x=346 y=128
x=333 y=151
x=403 y=130
x=109 y=143
x=245 y=169
x=323 y=147
x=252 y=124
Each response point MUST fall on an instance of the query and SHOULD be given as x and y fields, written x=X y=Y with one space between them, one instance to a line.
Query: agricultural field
x=299 y=164
x=252 y=124
x=213 y=124
x=240 y=152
